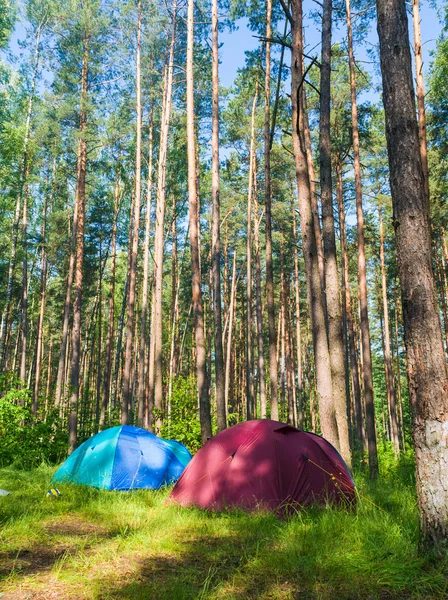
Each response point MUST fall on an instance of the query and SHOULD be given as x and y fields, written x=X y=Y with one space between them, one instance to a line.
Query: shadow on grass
x=64 y=537
x=316 y=555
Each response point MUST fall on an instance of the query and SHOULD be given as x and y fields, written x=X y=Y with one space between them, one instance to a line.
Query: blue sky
x=236 y=43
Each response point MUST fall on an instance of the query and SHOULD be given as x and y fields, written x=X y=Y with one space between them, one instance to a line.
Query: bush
x=184 y=425
x=27 y=441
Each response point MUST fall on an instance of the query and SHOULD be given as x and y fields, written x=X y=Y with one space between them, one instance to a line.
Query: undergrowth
x=96 y=545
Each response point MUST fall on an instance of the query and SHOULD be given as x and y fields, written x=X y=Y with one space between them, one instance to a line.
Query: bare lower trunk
x=390 y=383
x=156 y=330
x=427 y=370
x=249 y=375
x=298 y=332
x=357 y=403
x=80 y=209
x=334 y=312
x=110 y=325
x=24 y=290
x=127 y=382
x=362 y=277
x=144 y=315
x=174 y=315
x=67 y=304
x=230 y=335
x=268 y=202
x=216 y=252
x=258 y=301
x=315 y=298
x=193 y=199
x=40 y=326
x=314 y=204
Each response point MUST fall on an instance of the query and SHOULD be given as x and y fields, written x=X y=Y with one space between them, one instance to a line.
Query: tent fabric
x=264 y=464
x=124 y=458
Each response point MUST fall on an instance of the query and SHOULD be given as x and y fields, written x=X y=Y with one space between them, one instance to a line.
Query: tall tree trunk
x=80 y=211
x=99 y=369
x=43 y=289
x=216 y=252
x=298 y=332
x=174 y=314
x=62 y=362
x=314 y=204
x=357 y=402
x=156 y=330
x=193 y=200
x=420 y=94
x=315 y=297
x=127 y=382
x=273 y=373
x=394 y=428
x=20 y=197
x=332 y=291
x=249 y=374
x=24 y=289
x=258 y=300
x=48 y=384
x=427 y=370
x=230 y=334
x=111 y=312
x=362 y=277
x=142 y=371
x=398 y=369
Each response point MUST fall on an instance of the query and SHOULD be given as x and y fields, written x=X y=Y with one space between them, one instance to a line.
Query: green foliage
x=184 y=425
x=26 y=441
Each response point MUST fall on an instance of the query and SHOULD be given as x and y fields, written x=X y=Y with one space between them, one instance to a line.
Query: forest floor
x=96 y=545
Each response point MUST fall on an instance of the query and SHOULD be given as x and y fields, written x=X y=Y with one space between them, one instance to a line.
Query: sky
x=234 y=44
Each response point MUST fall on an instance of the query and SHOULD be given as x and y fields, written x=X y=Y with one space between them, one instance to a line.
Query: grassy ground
x=107 y=545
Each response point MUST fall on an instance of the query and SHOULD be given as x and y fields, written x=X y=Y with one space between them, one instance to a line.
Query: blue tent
x=124 y=458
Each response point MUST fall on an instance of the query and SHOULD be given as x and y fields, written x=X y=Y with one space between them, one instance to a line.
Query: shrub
x=184 y=425
x=27 y=441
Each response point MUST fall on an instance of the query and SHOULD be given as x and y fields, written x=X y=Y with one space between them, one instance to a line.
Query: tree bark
x=298 y=332
x=249 y=374
x=314 y=204
x=357 y=402
x=332 y=291
x=230 y=334
x=216 y=252
x=420 y=95
x=43 y=289
x=362 y=277
x=258 y=300
x=315 y=298
x=392 y=401
x=80 y=211
x=273 y=373
x=62 y=362
x=24 y=326
x=156 y=330
x=127 y=383
x=193 y=200
x=111 y=312
x=427 y=370
x=142 y=371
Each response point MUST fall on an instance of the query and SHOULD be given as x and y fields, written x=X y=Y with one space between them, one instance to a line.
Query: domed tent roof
x=124 y=458
x=264 y=463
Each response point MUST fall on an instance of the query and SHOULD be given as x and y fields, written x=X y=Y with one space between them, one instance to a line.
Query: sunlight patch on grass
x=102 y=545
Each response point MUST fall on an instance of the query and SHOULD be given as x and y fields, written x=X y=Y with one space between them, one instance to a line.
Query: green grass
x=94 y=545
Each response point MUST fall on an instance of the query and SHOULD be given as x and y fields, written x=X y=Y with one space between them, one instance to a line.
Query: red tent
x=264 y=464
